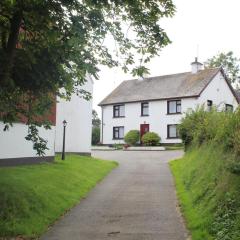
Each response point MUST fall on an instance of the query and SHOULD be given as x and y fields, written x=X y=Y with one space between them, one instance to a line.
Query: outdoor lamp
x=64 y=134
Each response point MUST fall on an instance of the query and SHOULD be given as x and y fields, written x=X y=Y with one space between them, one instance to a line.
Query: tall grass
x=219 y=128
x=207 y=177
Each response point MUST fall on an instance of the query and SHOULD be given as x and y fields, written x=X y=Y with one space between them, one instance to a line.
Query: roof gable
x=235 y=93
x=181 y=85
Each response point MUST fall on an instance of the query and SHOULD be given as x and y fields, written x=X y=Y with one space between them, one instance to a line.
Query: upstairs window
x=229 y=108
x=118 y=132
x=118 y=111
x=172 y=131
x=174 y=107
x=209 y=105
x=144 y=109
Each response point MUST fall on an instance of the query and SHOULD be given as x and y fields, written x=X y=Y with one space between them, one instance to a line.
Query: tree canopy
x=230 y=64
x=48 y=45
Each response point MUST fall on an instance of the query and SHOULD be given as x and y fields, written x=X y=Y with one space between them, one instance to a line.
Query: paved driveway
x=136 y=201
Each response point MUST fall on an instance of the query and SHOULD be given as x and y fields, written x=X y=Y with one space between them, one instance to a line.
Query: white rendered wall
x=14 y=145
x=219 y=92
x=78 y=114
x=158 y=119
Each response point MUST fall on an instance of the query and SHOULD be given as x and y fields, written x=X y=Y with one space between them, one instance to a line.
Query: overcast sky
x=213 y=25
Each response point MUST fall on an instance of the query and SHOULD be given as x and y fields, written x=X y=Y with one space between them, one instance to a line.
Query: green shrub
x=219 y=128
x=132 y=137
x=150 y=139
x=95 y=135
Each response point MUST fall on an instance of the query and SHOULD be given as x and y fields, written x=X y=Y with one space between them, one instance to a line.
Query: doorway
x=144 y=128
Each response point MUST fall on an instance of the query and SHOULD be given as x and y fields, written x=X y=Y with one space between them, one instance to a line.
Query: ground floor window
x=172 y=131
x=209 y=105
x=118 y=132
x=229 y=108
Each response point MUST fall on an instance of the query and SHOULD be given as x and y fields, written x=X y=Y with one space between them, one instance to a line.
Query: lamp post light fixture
x=64 y=133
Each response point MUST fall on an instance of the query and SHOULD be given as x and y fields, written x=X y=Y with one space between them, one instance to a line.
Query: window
x=174 y=107
x=118 y=132
x=172 y=131
x=144 y=109
x=229 y=108
x=118 y=111
x=209 y=105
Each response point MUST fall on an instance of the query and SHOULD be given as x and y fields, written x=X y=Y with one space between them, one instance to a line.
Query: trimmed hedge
x=150 y=139
x=132 y=137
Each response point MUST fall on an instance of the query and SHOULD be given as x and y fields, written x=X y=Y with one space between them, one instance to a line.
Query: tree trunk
x=15 y=25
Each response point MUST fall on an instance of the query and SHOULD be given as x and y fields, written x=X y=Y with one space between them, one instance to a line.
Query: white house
x=15 y=150
x=157 y=104
x=78 y=114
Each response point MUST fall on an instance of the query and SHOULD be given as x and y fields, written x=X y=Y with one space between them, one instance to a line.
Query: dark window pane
x=172 y=107
x=144 y=109
x=229 y=108
x=172 y=131
x=118 y=111
x=118 y=132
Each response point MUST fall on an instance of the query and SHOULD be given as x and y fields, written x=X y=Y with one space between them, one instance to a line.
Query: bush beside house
x=220 y=128
x=132 y=137
x=208 y=176
x=150 y=139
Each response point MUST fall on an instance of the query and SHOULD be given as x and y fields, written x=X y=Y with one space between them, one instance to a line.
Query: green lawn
x=33 y=197
x=209 y=193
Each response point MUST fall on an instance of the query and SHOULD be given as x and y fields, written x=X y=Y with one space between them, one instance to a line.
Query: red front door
x=144 y=128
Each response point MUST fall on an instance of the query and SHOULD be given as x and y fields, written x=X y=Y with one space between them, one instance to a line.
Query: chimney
x=196 y=66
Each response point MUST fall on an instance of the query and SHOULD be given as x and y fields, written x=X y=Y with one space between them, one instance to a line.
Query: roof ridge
x=167 y=75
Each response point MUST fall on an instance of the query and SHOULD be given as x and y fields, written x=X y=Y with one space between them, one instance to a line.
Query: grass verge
x=209 y=193
x=33 y=197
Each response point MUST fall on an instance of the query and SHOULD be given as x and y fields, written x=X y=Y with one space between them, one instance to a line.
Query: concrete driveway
x=136 y=201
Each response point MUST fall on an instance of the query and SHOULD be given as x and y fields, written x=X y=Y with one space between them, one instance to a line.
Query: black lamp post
x=64 y=132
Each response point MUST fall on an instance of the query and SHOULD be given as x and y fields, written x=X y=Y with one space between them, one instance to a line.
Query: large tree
x=229 y=62
x=48 y=45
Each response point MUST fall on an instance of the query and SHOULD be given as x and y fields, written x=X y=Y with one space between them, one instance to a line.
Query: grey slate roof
x=179 y=85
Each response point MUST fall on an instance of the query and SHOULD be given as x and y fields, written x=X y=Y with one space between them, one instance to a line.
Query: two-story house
x=157 y=104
